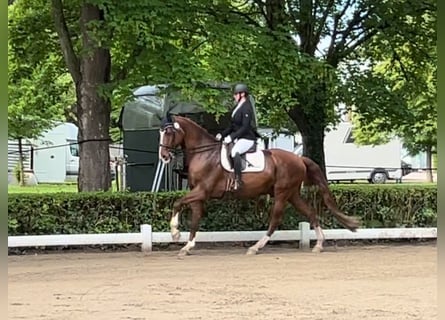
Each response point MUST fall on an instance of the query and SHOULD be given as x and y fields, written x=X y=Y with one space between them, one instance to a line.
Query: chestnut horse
x=281 y=178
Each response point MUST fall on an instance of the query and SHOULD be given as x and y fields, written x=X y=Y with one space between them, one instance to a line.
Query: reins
x=203 y=148
x=196 y=150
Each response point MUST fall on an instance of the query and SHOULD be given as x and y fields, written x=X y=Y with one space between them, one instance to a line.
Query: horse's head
x=171 y=135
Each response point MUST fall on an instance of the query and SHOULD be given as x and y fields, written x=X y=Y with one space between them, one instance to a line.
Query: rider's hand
x=227 y=139
x=218 y=136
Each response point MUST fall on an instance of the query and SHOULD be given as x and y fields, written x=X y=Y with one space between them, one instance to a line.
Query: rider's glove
x=227 y=139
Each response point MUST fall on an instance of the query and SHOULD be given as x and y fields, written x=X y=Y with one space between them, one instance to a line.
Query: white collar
x=238 y=106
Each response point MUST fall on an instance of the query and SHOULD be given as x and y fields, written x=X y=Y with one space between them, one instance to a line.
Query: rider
x=242 y=130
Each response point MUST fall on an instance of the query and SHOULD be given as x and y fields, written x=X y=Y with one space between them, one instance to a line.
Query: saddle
x=251 y=161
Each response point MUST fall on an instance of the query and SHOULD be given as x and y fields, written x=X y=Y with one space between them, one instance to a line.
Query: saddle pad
x=255 y=160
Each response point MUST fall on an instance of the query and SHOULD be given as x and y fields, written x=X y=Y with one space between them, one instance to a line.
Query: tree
x=276 y=46
x=405 y=102
x=25 y=121
x=90 y=70
x=107 y=49
x=280 y=52
x=31 y=109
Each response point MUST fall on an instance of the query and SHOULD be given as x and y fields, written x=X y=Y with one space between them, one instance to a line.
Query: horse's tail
x=315 y=177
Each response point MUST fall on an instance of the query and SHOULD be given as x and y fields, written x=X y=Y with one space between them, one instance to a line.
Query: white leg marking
x=190 y=245
x=186 y=249
x=320 y=239
x=161 y=141
x=263 y=241
x=259 y=245
x=174 y=223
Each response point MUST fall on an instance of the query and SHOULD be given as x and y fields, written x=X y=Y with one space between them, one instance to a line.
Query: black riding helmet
x=241 y=87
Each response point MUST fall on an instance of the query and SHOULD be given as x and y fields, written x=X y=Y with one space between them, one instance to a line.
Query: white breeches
x=241 y=146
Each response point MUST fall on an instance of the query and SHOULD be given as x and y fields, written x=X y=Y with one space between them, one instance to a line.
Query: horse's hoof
x=183 y=253
x=176 y=235
x=251 y=252
x=317 y=249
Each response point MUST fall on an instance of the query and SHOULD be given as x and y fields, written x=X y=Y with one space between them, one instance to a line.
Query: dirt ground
x=392 y=282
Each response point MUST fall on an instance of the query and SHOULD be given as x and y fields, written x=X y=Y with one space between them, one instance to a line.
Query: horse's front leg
x=197 y=212
x=174 y=223
x=195 y=195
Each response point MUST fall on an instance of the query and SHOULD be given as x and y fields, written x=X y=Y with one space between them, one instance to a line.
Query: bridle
x=164 y=129
x=198 y=149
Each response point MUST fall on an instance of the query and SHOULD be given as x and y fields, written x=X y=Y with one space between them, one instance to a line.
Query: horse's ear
x=169 y=117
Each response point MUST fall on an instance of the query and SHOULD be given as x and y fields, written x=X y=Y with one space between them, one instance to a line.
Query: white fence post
x=304 y=243
x=147 y=238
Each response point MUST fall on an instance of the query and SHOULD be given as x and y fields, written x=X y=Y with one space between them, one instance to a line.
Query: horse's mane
x=196 y=126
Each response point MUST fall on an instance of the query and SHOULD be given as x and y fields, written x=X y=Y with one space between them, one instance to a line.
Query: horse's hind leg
x=275 y=221
x=303 y=207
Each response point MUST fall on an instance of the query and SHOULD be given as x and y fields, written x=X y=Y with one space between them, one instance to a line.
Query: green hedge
x=69 y=213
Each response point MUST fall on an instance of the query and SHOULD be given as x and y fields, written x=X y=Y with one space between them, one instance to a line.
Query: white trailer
x=347 y=161
x=56 y=154
x=270 y=140
x=52 y=157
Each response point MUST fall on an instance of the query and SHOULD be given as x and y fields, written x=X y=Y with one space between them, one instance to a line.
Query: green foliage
x=18 y=173
x=284 y=53
x=147 y=50
x=396 y=95
x=66 y=213
x=38 y=88
x=280 y=50
x=389 y=206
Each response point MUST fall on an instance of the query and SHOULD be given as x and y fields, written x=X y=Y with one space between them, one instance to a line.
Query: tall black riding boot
x=237 y=169
x=231 y=162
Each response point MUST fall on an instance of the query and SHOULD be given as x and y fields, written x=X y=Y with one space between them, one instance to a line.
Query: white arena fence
x=146 y=237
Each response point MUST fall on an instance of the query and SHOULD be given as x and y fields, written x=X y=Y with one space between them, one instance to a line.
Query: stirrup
x=238 y=184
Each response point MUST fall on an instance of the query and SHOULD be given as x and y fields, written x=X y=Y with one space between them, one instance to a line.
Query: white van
x=347 y=161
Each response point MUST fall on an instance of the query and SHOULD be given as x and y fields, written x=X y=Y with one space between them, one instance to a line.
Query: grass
x=47 y=188
x=44 y=188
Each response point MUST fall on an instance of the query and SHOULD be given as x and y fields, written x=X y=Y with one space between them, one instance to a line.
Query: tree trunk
x=310 y=118
x=310 y=114
x=21 y=166
x=94 y=109
x=90 y=71
x=429 y=165
x=312 y=140
x=93 y=137
x=312 y=133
